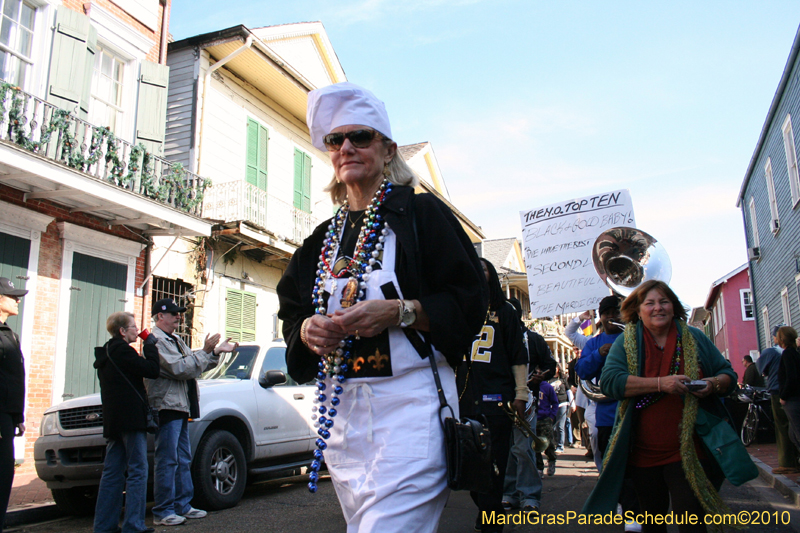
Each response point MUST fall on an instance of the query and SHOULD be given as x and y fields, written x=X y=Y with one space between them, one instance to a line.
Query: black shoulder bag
x=152 y=415
x=468 y=443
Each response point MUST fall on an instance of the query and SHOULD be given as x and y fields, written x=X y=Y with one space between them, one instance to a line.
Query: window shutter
x=263 y=139
x=257 y=140
x=298 y=179
x=248 y=317
x=233 y=315
x=306 y=183
x=74 y=44
x=151 y=114
x=240 y=315
x=252 y=152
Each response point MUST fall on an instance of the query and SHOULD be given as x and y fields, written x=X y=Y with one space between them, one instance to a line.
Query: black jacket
x=438 y=266
x=124 y=409
x=789 y=374
x=12 y=375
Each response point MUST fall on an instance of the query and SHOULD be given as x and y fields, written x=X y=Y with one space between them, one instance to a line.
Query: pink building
x=731 y=317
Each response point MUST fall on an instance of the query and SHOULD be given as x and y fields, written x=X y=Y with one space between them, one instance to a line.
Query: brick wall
x=41 y=354
x=111 y=7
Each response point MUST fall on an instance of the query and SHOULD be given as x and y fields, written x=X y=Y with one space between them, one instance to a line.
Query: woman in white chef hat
x=389 y=263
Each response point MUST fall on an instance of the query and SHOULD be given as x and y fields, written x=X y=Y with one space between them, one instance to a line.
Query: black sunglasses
x=358 y=138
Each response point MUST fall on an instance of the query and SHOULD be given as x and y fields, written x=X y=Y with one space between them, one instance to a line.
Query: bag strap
x=423 y=347
x=121 y=373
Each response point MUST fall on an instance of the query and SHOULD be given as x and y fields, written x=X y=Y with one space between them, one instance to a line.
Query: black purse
x=468 y=443
x=151 y=415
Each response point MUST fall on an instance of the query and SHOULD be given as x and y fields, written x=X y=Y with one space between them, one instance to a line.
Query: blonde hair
x=399 y=174
x=118 y=320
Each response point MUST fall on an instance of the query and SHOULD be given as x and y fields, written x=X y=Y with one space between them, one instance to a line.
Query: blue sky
x=527 y=103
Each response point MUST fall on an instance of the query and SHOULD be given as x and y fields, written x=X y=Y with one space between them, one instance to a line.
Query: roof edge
x=773 y=109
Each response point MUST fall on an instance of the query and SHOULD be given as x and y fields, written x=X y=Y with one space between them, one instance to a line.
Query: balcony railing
x=238 y=200
x=56 y=134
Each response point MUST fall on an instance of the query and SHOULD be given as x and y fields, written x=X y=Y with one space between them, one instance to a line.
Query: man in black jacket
x=12 y=390
x=522 y=486
x=120 y=370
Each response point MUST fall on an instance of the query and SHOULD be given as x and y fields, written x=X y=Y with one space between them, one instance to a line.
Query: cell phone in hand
x=696 y=385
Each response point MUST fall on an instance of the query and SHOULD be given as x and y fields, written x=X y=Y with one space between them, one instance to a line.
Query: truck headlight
x=49 y=424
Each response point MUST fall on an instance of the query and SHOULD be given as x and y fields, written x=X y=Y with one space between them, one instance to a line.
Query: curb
x=779 y=482
x=32 y=513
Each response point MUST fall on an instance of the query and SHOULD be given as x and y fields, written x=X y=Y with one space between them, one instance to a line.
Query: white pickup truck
x=254 y=422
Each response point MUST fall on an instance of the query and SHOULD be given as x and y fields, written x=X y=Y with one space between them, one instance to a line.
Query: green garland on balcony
x=172 y=188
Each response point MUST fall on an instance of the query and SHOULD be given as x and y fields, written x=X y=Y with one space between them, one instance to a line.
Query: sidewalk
x=766 y=458
x=31 y=501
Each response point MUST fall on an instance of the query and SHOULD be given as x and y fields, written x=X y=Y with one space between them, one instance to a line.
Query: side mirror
x=270 y=378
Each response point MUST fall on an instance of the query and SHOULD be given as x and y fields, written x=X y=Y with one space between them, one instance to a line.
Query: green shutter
x=306 y=183
x=71 y=61
x=257 y=148
x=302 y=180
x=240 y=315
x=233 y=315
x=14 y=255
x=151 y=113
x=248 y=317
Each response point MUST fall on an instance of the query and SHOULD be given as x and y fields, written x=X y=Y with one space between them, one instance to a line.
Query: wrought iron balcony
x=238 y=200
x=56 y=134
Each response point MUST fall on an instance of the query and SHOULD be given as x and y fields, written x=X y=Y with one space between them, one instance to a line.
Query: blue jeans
x=128 y=452
x=522 y=485
x=559 y=428
x=173 y=487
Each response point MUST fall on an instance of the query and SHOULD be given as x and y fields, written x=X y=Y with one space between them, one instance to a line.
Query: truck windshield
x=235 y=365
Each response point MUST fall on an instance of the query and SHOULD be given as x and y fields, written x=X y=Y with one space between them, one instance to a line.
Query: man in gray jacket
x=175 y=396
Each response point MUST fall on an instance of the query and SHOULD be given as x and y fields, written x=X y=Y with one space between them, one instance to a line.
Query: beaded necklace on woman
x=334 y=365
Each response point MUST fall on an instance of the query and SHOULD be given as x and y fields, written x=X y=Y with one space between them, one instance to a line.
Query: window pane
x=11 y=9
x=105 y=69
x=5 y=32
x=25 y=40
x=26 y=17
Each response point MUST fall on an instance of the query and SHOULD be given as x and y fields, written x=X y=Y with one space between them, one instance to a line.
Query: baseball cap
x=167 y=305
x=609 y=302
x=7 y=288
x=775 y=329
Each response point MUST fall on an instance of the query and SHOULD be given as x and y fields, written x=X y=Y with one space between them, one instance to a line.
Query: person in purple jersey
x=546 y=417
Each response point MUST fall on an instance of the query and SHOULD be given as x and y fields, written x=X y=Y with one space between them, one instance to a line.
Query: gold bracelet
x=717 y=388
x=400 y=308
x=303 y=329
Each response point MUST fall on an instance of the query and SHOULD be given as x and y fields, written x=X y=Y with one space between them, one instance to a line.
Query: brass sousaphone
x=624 y=258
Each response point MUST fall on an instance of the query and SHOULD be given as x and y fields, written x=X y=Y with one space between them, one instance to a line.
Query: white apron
x=386 y=450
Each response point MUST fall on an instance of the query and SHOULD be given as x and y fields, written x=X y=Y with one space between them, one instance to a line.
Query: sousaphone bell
x=624 y=258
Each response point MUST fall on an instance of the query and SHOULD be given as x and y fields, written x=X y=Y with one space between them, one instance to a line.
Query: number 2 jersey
x=495 y=350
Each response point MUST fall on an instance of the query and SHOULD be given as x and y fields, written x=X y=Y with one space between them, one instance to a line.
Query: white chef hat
x=343 y=104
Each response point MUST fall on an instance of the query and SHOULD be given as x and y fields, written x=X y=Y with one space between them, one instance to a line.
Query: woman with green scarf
x=654 y=441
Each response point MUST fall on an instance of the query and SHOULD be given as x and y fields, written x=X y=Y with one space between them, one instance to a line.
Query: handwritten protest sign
x=557 y=242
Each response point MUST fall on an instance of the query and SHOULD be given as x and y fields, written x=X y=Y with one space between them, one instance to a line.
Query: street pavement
x=286 y=506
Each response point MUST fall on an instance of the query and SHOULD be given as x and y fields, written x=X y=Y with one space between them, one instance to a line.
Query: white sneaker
x=634 y=527
x=171 y=520
x=194 y=513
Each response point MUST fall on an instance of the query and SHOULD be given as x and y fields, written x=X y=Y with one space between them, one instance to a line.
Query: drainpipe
x=162 y=48
x=206 y=81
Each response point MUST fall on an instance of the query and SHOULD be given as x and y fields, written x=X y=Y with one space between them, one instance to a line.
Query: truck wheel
x=79 y=501
x=219 y=471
